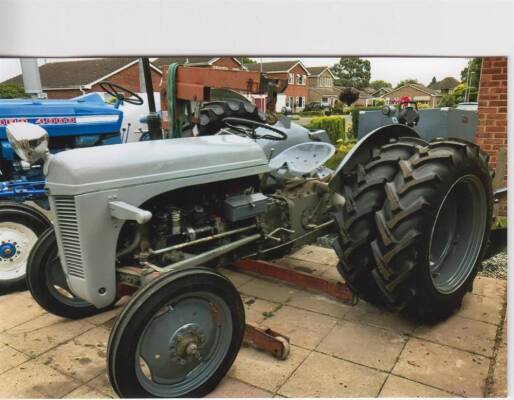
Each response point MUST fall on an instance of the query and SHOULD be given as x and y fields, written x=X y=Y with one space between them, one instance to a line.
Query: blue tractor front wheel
x=20 y=226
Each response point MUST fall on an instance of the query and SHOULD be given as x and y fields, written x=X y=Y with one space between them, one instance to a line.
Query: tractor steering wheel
x=120 y=93
x=239 y=125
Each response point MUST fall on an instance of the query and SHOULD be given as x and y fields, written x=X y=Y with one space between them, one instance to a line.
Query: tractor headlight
x=29 y=141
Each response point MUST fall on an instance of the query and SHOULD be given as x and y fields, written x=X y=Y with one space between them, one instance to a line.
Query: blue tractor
x=83 y=121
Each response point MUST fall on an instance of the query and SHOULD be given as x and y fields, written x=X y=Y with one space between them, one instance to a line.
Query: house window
x=290 y=79
x=325 y=100
x=300 y=101
x=300 y=79
x=289 y=102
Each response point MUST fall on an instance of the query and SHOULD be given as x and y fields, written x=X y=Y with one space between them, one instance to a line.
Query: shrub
x=333 y=125
x=12 y=91
x=342 y=148
x=312 y=113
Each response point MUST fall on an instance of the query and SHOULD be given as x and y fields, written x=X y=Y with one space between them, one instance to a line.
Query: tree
x=11 y=91
x=348 y=96
x=433 y=81
x=379 y=84
x=448 y=100
x=474 y=67
x=247 y=60
x=352 y=71
x=406 y=82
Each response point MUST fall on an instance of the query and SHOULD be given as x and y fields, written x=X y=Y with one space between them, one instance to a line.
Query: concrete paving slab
x=304 y=328
x=264 y=371
x=268 y=290
x=490 y=287
x=448 y=369
x=319 y=303
x=256 y=310
x=26 y=309
x=10 y=358
x=307 y=267
x=43 y=333
x=230 y=387
x=367 y=313
x=481 y=308
x=102 y=384
x=332 y=274
x=367 y=345
x=316 y=254
x=499 y=379
x=85 y=392
x=104 y=317
x=462 y=333
x=237 y=278
x=31 y=380
x=396 y=386
x=82 y=358
x=324 y=376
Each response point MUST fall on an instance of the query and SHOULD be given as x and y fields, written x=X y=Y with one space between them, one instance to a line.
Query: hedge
x=333 y=125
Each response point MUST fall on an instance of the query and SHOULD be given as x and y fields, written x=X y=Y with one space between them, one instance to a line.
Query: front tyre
x=20 y=226
x=47 y=282
x=177 y=337
x=433 y=229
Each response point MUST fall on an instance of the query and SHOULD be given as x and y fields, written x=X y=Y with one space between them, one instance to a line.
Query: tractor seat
x=302 y=159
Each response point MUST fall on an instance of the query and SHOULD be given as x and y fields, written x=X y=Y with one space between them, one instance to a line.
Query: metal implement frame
x=338 y=290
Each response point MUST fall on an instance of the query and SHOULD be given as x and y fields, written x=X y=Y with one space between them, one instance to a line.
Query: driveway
x=336 y=350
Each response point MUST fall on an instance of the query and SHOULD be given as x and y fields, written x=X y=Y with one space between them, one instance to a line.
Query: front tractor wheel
x=433 y=229
x=47 y=282
x=177 y=337
x=20 y=226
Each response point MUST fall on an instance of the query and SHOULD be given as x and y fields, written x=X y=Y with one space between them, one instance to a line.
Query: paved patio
x=337 y=350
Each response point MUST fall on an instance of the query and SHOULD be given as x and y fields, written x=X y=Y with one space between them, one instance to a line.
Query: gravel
x=495 y=267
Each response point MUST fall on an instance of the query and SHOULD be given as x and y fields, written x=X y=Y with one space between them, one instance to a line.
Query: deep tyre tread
x=129 y=326
x=401 y=250
x=213 y=113
x=33 y=219
x=364 y=194
x=43 y=252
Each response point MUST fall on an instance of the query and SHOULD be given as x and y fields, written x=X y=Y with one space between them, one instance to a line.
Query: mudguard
x=362 y=150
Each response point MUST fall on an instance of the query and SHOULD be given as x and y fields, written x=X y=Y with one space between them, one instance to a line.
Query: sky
x=390 y=69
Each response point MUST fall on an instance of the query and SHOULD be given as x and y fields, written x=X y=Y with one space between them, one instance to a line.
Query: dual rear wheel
x=415 y=242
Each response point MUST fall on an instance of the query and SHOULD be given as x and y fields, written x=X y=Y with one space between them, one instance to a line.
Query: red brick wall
x=129 y=78
x=227 y=62
x=63 y=94
x=492 y=108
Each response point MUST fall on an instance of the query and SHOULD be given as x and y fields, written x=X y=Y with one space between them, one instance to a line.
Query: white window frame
x=290 y=79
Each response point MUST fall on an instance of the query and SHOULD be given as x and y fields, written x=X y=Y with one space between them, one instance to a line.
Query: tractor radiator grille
x=69 y=232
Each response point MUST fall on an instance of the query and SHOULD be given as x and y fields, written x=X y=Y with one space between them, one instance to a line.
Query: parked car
x=314 y=106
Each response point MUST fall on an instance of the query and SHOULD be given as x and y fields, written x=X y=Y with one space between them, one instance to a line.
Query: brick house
x=446 y=85
x=321 y=87
x=416 y=92
x=296 y=93
x=67 y=79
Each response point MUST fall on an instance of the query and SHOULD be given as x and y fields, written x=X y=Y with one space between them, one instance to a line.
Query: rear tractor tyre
x=20 y=226
x=176 y=337
x=213 y=113
x=47 y=282
x=364 y=193
x=433 y=229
